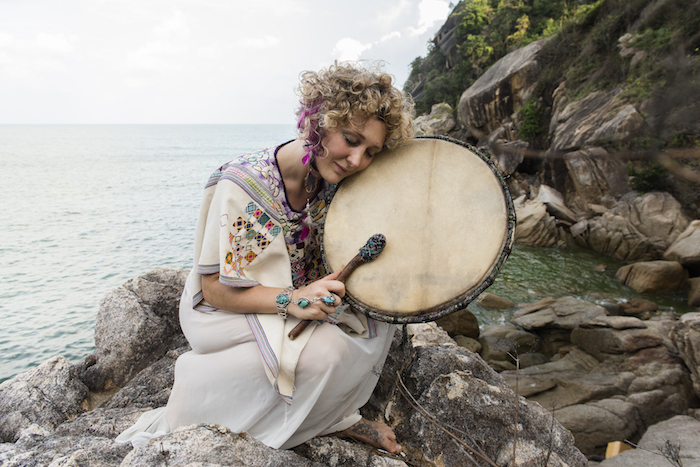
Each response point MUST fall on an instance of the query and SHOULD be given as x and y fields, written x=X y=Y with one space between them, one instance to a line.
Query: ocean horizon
x=87 y=207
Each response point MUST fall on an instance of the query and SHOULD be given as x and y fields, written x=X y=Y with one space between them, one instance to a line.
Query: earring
x=311 y=181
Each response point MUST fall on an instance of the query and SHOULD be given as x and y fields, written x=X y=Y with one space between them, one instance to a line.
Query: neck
x=293 y=171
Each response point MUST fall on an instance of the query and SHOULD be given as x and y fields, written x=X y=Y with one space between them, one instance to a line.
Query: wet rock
x=653 y=277
x=489 y=300
x=637 y=306
x=694 y=291
x=439 y=122
x=45 y=396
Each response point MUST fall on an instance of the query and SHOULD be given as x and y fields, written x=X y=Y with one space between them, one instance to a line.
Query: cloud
x=163 y=52
x=429 y=13
x=54 y=43
x=349 y=49
x=391 y=35
x=259 y=42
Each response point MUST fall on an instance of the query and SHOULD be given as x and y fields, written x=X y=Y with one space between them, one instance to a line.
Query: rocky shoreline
x=587 y=376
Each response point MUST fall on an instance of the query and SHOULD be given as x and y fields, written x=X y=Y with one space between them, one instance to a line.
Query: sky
x=192 y=61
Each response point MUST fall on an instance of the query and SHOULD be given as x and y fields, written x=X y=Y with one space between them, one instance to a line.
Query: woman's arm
x=261 y=299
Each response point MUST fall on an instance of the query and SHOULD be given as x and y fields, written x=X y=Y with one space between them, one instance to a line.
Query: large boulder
x=637 y=228
x=596 y=119
x=500 y=92
x=43 y=397
x=535 y=226
x=686 y=248
x=653 y=277
x=135 y=326
x=439 y=122
x=556 y=205
x=594 y=174
x=686 y=336
x=675 y=441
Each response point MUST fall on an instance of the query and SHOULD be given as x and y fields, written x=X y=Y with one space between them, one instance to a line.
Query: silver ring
x=329 y=300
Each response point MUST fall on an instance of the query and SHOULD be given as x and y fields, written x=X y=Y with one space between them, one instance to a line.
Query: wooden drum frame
x=448 y=218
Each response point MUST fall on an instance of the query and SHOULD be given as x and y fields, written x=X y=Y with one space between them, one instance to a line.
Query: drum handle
x=370 y=251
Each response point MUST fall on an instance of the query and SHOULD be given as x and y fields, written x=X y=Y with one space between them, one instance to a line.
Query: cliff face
x=593 y=100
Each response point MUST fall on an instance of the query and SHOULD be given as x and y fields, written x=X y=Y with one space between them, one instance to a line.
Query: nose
x=355 y=157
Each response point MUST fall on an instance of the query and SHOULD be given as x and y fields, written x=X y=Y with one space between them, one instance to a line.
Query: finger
x=332 y=276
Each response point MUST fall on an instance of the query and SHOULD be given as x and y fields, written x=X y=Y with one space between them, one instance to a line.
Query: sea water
x=87 y=207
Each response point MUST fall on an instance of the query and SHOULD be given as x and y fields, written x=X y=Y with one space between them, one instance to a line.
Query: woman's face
x=350 y=148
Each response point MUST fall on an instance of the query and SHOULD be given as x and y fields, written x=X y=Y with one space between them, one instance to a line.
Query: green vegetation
x=584 y=49
x=649 y=176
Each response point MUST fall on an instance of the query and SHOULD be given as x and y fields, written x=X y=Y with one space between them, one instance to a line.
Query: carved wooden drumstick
x=370 y=251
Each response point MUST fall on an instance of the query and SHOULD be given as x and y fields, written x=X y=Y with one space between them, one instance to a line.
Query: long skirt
x=222 y=380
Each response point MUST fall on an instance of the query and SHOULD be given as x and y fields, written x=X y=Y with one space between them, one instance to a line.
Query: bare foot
x=377 y=434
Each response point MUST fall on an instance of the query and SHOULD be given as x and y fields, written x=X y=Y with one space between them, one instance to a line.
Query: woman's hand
x=315 y=292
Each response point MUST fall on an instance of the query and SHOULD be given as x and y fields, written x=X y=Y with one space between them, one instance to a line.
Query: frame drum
x=448 y=218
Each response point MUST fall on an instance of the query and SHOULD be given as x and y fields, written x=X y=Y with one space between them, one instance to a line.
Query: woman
x=259 y=271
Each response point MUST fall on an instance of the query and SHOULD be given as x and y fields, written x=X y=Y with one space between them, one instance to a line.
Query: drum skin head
x=448 y=219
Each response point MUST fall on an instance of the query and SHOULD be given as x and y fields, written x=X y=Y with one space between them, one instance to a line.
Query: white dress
x=243 y=372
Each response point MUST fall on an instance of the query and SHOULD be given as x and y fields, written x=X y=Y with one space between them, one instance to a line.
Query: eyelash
x=354 y=144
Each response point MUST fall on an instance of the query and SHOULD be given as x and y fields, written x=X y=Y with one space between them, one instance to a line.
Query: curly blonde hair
x=347 y=92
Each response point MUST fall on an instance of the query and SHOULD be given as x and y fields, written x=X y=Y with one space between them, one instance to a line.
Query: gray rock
x=594 y=175
x=694 y=291
x=556 y=205
x=500 y=92
x=439 y=122
x=480 y=413
x=637 y=306
x=338 y=452
x=489 y=300
x=211 y=445
x=596 y=423
x=653 y=449
x=653 y=277
x=574 y=126
x=136 y=325
x=535 y=227
x=462 y=322
x=564 y=313
x=45 y=396
x=637 y=228
x=686 y=248
x=686 y=336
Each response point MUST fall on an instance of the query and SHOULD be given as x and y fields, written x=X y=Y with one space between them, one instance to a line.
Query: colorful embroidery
x=249 y=237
